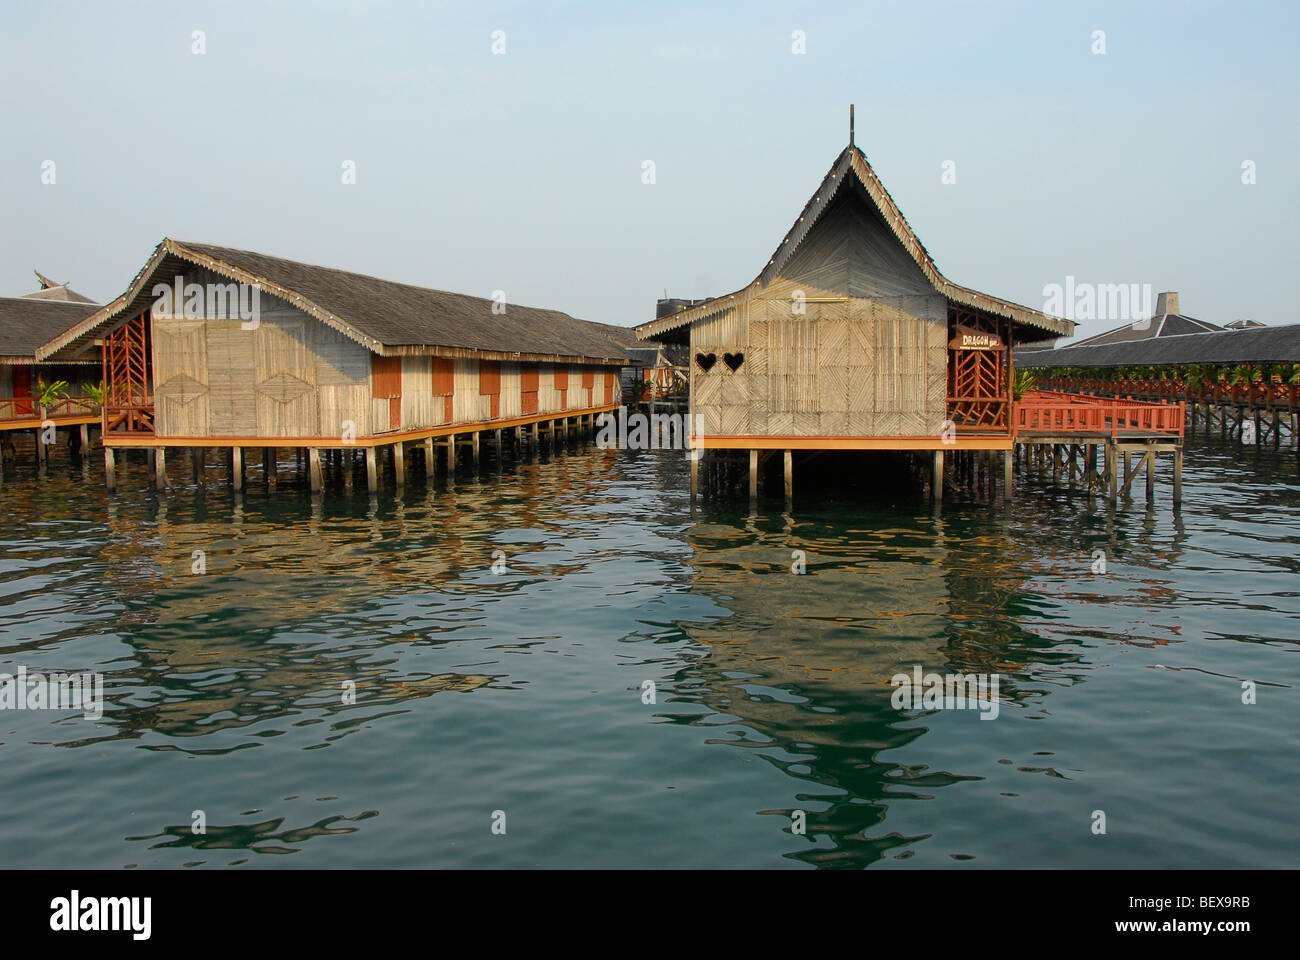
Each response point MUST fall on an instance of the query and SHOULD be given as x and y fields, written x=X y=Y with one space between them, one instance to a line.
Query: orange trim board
x=851 y=443
x=333 y=443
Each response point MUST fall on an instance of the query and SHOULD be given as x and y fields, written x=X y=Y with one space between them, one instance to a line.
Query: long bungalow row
x=216 y=347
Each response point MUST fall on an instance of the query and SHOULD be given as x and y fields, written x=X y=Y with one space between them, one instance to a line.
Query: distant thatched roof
x=387 y=317
x=26 y=323
x=1258 y=345
x=55 y=291
x=1170 y=325
x=851 y=166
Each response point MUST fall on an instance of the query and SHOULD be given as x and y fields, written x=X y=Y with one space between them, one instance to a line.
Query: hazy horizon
x=523 y=171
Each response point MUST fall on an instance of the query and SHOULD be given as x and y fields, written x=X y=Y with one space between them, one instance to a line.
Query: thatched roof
x=851 y=168
x=25 y=324
x=1257 y=345
x=387 y=317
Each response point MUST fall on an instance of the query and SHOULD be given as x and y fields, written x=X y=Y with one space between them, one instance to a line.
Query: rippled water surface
x=522 y=691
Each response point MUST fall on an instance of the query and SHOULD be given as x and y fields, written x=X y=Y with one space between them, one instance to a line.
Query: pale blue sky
x=522 y=172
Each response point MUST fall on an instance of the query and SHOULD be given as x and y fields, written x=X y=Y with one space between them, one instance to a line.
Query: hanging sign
x=968 y=338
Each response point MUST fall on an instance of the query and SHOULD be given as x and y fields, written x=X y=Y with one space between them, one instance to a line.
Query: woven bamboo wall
x=851 y=340
x=293 y=376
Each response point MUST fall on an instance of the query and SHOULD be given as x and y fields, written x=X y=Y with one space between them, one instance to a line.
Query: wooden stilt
x=695 y=474
x=347 y=460
x=41 y=453
x=236 y=467
x=399 y=464
x=500 y=461
x=789 y=477
x=85 y=438
x=160 y=468
x=196 y=463
x=270 y=462
x=372 y=471
x=430 y=459
x=936 y=479
x=1008 y=470
x=110 y=470
x=753 y=477
x=316 y=480
x=1178 y=476
x=1151 y=475
x=1112 y=469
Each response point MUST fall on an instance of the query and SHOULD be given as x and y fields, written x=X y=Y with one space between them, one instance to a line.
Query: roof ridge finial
x=850 y=124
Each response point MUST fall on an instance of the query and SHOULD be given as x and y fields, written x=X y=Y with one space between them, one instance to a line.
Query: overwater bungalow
x=850 y=338
x=216 y=347
x=26 y=323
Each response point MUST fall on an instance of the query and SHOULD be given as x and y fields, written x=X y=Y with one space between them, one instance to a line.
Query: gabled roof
x=1170 y=325
x=852 y=166
x=386 y=317
x=1260 y=345
x=25 y=324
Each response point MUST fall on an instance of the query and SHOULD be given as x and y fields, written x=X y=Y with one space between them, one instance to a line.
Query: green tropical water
x=519 y=695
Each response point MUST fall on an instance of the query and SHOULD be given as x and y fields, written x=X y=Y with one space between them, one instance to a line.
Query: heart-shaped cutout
x=706 y=361
x=733 y=360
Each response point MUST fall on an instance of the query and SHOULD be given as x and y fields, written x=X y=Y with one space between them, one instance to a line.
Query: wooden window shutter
x=489 y=378
x=385 y=377
x=444 y=377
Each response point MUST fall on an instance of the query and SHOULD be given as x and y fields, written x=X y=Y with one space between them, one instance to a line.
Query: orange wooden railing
x=1061 y=413
x=1259 y=393
x=29 y=408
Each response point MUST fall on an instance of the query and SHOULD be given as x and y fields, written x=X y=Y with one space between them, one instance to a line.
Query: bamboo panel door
x=386 y=384
x=528 y=384
x=489 y=385
x=444 y=385
x=127 y=405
